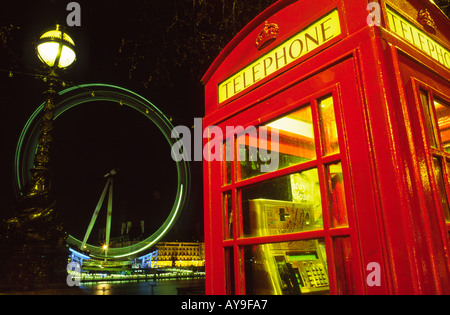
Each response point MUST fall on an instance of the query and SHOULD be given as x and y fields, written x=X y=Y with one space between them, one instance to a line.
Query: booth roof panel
x=291 y=18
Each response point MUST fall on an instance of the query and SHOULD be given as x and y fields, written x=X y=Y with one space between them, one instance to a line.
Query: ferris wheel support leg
x=94 y=216
x=108 y=217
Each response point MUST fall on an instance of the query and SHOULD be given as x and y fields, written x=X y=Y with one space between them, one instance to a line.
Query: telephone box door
x=307 y=225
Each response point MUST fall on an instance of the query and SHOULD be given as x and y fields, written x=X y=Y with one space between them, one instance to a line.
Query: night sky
x=93 y=138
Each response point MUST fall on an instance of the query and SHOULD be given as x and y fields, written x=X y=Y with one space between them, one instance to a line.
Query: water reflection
x=160 y=287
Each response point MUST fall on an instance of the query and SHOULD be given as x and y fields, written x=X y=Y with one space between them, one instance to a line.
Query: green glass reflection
x=227 y=164
x=228 y=215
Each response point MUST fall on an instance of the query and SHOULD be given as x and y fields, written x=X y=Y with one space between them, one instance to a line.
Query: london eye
x=86 y=93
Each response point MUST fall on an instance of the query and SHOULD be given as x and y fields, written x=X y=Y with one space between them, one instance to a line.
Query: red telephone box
x=332 y=171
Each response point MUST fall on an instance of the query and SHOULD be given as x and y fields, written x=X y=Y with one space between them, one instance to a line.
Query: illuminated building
x=129 y=234
x=180 y=254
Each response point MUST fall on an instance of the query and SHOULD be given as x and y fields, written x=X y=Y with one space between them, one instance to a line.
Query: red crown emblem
x=426 y=20
x=267 y=35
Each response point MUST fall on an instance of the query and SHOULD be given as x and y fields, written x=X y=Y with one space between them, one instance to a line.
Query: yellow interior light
x=295 y=126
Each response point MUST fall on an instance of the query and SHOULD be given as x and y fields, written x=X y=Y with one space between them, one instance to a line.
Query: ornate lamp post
x=56 y=50
x=36 y=233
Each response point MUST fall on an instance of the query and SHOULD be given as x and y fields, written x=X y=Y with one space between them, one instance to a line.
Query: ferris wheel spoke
x=95 y=215
x=109 y=214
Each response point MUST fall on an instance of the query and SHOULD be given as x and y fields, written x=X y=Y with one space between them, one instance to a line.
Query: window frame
x=237 y=244
x=431 y=152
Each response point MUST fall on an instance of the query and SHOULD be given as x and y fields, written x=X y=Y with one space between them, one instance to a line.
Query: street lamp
x=56 y=49
x=36 y=234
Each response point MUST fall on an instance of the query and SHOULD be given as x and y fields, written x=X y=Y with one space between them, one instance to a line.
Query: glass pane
x=291 y=139
x=229 y=269
x=428 y=118
x=289 y=268
x=228 y=215
x=336 y=195
x=328 y=126
x=227 y=164
x=287 y=204
x=344 y=266
x=443 y=118
x=440 y=183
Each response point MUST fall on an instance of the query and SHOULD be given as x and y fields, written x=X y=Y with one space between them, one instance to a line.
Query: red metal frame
x=415 y=77
x=392 y=199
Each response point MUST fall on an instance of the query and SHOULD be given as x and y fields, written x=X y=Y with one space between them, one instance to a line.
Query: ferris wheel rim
x=85 y=93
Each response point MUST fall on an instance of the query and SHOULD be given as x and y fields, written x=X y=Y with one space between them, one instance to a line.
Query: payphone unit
x=297 y=267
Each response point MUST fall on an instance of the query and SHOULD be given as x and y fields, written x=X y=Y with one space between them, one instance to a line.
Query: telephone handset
x=295 y=267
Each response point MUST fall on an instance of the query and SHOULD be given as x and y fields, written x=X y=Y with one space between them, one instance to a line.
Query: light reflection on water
x=160 y=287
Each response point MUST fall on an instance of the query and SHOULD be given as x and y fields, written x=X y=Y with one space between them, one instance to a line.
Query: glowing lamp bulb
x=56 y=49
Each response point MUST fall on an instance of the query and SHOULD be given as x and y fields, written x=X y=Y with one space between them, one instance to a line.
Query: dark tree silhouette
x=182 y=36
